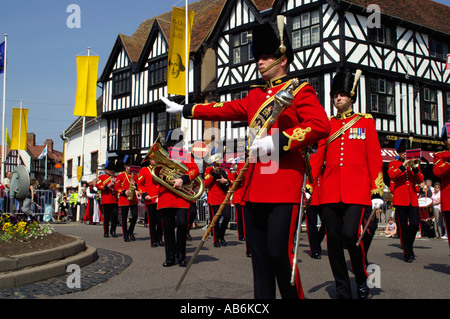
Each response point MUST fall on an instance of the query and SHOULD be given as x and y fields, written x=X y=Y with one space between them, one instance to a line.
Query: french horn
x=170 y=171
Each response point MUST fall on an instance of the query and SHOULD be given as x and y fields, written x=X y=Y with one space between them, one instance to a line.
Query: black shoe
x=161 y=243
x=316 y=256
x=217 y=244
x=154 y=244
x=409 y=259
x=126 y=239
x=363 y=291
x=182 y=260
x=106 y=235
x=189 y=237
x=132 y=237
x=169 y=263
x=113 y=234
x=223 y=242
x=248 y=254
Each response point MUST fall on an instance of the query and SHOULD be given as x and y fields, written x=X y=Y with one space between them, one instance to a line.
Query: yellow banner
x=177 y=64
x=8 y=139
x=19 y=129
x=86 y=98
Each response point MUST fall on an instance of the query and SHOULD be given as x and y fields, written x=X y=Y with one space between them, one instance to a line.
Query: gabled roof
x=138 y=45
x=426 y=13
x=133 y=48
x=36 y=150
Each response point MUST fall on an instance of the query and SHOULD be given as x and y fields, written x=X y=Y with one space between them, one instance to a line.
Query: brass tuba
x=172 y=170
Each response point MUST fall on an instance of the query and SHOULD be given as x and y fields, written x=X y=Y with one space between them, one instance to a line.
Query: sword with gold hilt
x=283 y=99
x=307 y=176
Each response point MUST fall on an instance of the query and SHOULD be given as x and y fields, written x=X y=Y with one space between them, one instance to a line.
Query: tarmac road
x=225 y=273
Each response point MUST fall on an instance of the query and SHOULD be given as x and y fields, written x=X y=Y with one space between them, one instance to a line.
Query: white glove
x=377 y=203
x=307 y=196
x=172 y=107
x=263 y=146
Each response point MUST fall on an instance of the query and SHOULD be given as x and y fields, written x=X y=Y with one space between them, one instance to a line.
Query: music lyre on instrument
x=172 y=170
x=283 y=99
x=133 y=170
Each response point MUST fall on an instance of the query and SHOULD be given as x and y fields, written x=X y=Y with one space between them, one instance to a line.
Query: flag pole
x=46 y=160
x=4 y=107
x=82 y=149
x=185 y=128
x=20 y=129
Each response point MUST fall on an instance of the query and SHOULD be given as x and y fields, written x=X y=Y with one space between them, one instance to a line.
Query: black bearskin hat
x=266 y=40
x=343 y=83
x=109 y=165
x=401 y=145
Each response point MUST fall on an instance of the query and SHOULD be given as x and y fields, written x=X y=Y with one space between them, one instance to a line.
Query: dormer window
x=121 y=83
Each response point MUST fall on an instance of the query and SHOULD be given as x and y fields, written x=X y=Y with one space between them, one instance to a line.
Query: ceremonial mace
x=283 y=99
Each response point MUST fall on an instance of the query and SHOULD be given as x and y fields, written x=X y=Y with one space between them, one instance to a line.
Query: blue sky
x=42 y=51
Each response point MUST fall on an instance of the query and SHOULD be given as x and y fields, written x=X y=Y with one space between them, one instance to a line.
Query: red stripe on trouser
x=361 y=246
x=291 y=247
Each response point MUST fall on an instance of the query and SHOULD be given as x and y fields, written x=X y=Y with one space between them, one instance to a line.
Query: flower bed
x=21 y=229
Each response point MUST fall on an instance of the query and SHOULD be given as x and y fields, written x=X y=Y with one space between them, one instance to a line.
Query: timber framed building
x=405 y=84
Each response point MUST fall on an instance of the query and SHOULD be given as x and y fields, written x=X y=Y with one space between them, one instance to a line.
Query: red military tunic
x=216 y=194
x=301 y=124
x=168 y=199
x=404 y=184
x=122 y=185
x=147 y=185
x=108 y=193
x=441 y=169
x=353 y=171
x=237 y=195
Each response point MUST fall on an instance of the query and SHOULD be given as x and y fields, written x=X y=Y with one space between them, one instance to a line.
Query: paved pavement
x=133 y=270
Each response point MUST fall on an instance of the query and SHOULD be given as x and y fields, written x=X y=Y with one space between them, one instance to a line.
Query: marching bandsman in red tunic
x=272 y=214
x=352 y=179
x=217 y=182
x=441 y=169
x=125 y=188
x=149 y=189
x=174 y=210
x=105 y=184
x=405 y=199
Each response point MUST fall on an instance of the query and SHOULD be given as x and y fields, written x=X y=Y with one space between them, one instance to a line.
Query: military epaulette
x=258 y=86
x=367 y=116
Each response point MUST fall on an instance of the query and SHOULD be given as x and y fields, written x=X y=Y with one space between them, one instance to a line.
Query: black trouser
x=240 y=221
x=271 y=238
x=192 y=215
x=408 y=224
x=110 y=212
x=370 y=232
x=124 y=216
x=447 y=226
x=343 y=223
x=154 y=224
x=315 y=236
x=171 y=218
x=220 y=227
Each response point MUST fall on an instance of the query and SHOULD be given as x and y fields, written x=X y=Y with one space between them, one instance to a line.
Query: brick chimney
x=49 y=143
x=31 y=139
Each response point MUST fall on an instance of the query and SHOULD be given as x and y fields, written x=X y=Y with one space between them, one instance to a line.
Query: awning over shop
x=389 y=154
